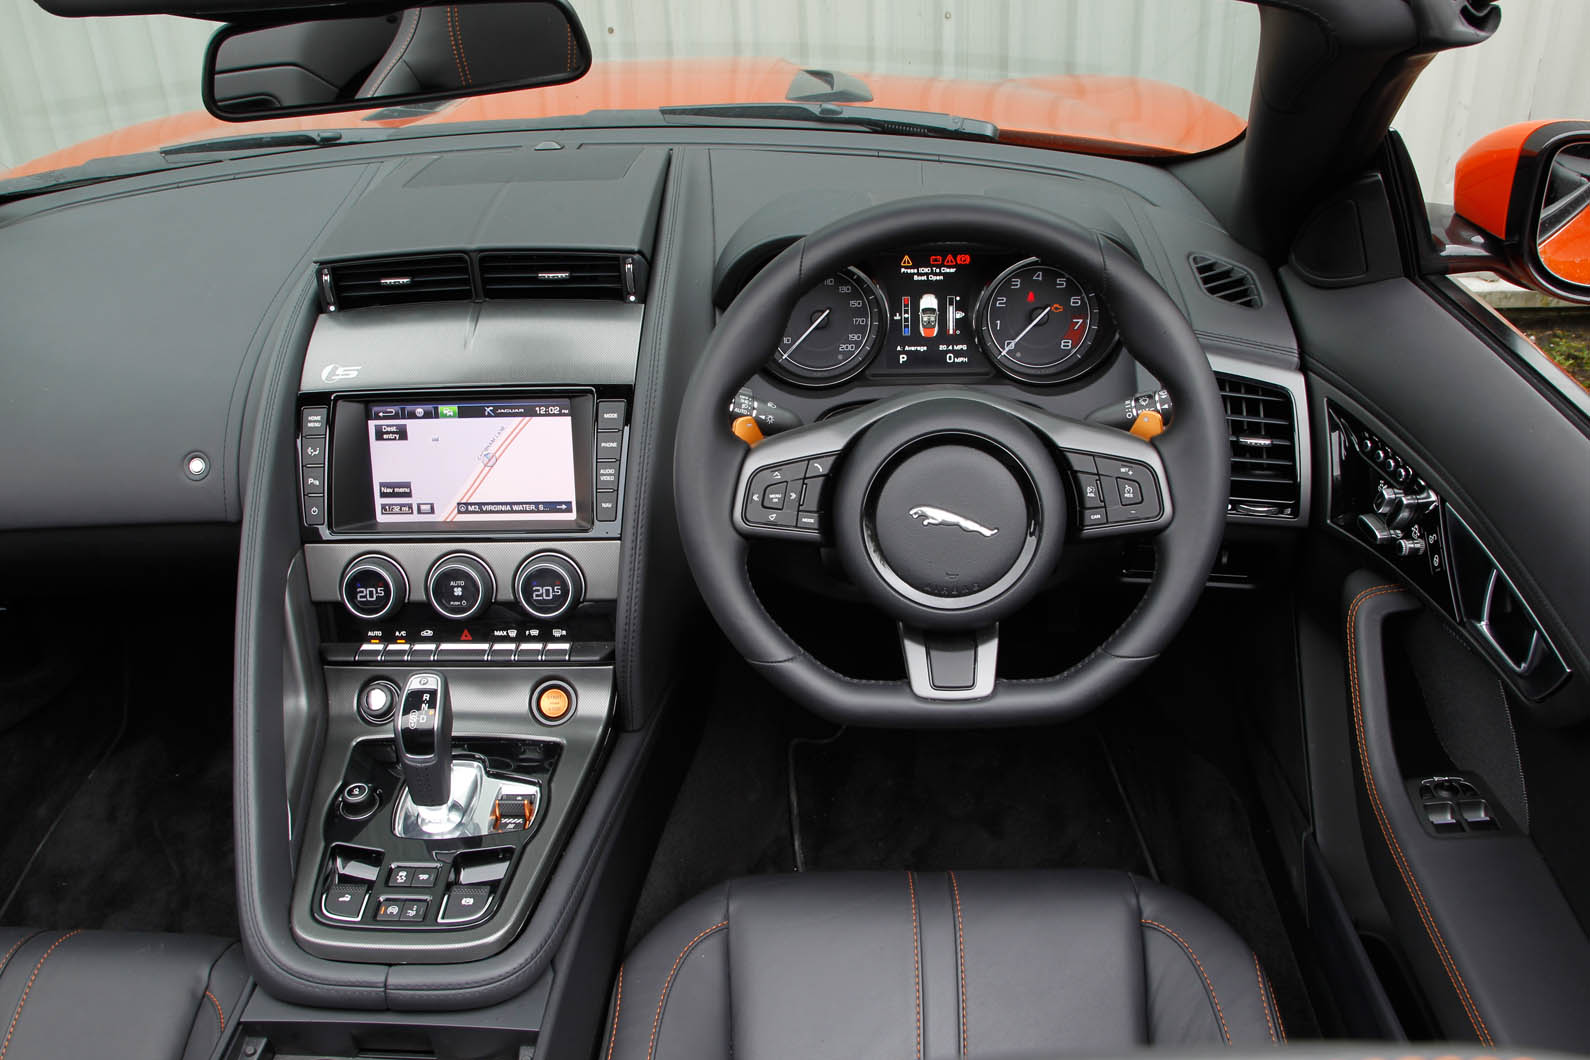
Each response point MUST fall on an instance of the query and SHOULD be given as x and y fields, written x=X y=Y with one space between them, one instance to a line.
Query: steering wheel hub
x=949 y=521
x=949 y=513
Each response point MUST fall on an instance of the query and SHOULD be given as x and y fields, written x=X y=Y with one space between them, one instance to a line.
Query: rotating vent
x=561 y=274
x=396 y=281
x=1264 y=471
x=1226 y=281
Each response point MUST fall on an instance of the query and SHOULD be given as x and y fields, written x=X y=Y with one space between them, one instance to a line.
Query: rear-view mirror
x=421 y=54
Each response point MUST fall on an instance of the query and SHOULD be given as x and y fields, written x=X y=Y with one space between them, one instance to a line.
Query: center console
x=461 y=548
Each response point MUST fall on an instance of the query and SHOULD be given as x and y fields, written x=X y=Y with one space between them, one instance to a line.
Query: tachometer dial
x=833 y=331
x=1040 y=325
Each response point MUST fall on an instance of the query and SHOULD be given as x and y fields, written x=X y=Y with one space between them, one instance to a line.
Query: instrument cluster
x=949 y=310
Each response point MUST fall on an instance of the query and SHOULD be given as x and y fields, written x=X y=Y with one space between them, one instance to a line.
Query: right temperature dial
x=548 y=585
x=1040 y=326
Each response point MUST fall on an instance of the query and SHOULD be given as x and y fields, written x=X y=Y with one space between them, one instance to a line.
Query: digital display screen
x=472 y=462
x=932 y=300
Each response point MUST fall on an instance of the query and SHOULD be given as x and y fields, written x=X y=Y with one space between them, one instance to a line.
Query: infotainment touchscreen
x=473 y=462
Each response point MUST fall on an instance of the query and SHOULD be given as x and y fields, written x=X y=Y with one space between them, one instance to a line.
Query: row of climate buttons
x=460 y=586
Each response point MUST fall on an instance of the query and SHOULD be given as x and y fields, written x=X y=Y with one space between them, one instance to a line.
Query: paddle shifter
x=423 y=729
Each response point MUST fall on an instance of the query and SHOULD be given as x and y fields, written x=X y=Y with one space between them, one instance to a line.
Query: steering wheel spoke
x=950 y=666
x=1118 y=480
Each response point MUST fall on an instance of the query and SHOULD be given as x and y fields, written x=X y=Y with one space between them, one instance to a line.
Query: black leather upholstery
x=134 y=996
x=931 y=964
x=456 y=46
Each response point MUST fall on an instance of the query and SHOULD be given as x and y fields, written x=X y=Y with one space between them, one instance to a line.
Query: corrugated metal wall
x=62 y=81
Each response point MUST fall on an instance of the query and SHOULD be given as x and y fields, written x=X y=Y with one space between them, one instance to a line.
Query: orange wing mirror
x=1528 y=187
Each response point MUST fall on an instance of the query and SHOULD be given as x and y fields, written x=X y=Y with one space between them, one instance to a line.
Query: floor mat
x=1013 y=798
x=122 y=789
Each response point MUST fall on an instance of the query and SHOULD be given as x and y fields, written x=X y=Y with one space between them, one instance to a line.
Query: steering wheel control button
x=376 y=702
x=789 y=496
x=460 y=586
x=548 y=585
x=464 y=905
x=374 y=586
x=1131 y=492
x=1090 y=490
x=950 y=521
x=552 y=702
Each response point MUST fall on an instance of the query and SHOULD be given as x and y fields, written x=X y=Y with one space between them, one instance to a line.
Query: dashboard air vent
x=562 y=274
x=1264 y=471
x=396 y=281
x=1226 y=281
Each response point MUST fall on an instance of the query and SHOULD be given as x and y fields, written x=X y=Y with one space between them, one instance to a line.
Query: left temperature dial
x=374 y=586
x=833 y=331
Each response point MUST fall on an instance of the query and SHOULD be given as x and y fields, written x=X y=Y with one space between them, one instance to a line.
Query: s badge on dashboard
x=336 y=373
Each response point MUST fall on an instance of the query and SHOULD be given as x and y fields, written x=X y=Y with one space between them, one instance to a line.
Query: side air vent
x=1226 y=281
x=562 y=274
x=396 y=281
x=1264 y=471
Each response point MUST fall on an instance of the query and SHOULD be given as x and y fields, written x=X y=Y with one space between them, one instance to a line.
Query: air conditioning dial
x=460 y=586
x=373 y=587
x=548 y=585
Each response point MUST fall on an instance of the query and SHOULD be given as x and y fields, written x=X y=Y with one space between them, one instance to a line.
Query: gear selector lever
x=423 y=729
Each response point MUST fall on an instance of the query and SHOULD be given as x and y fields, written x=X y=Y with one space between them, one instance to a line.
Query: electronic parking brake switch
x=423 y=730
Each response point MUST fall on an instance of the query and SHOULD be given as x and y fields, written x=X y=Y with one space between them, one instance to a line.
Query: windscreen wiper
x=870 y=119
x=263 y=142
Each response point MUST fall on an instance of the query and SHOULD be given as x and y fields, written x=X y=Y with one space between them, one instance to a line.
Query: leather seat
x=134 y=996
x=930 y=964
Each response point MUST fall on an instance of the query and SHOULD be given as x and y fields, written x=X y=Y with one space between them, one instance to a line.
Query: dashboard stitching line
x=1411 y=882
x=641 y=422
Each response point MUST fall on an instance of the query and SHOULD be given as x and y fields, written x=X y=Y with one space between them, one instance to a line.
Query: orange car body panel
x=1096 y=114
x=1484 y=188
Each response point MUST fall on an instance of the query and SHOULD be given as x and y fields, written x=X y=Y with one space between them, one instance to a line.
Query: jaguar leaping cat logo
x=940 y=517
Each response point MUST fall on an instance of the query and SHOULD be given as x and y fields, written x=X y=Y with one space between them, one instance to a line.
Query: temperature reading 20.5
x=1040 y=325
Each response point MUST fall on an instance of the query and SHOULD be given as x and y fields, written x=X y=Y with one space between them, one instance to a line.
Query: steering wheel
x=948 y=507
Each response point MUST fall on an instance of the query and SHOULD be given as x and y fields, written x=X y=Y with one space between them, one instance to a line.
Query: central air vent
x=561 y=274
x=396 y=281
x=1226 y=281
x=1264 y=471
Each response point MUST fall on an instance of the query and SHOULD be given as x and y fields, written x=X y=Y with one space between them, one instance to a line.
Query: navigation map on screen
x=472 y=462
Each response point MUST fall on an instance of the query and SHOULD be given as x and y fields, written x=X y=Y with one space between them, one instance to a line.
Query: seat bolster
x=94 y=993
x=219 y=1005
x=1205 y=986
x=681 y=967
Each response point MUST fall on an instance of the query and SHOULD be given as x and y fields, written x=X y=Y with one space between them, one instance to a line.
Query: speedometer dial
x=1039 y=325
x=833 y=331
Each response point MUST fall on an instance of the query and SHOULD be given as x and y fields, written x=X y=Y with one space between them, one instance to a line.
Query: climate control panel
x=461 y=586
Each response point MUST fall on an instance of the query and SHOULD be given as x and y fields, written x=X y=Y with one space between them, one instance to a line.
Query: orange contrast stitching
x=463 y=50
x=651 y=1050
x=452 y=40
x=12 y=951
x=1264 y=998
x=17 y=1015
x=916 y=960
x=960 y=961
x=1208 y=985
x=618 y=1003
x=218 y=1013
x=1404 y=869
x=1275 y=1004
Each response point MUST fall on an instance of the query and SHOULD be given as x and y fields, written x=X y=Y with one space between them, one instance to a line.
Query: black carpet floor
x=118 y=788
